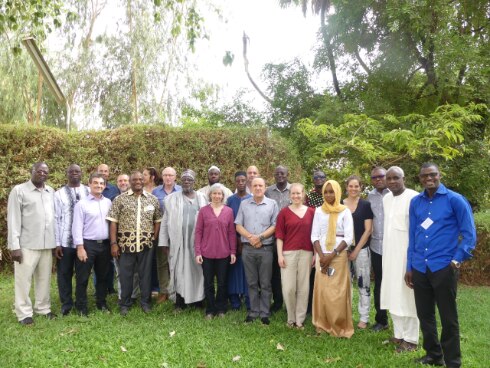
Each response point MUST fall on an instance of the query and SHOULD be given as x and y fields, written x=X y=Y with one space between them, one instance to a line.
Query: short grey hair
x=215 y=187
x=396 y=168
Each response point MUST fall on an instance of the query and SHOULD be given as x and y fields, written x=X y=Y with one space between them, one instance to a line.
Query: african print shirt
x=135 y=217
x=314 y=199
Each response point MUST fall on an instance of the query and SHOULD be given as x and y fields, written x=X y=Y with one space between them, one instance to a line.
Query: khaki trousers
x=296 y=284
x=35 y=264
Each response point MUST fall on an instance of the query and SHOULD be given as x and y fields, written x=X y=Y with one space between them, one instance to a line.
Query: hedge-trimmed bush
x=136 y=147
x=477 y=270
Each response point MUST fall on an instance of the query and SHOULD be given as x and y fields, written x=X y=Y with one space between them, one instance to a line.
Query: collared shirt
x=281 y=197
x=111 y=191
x=314 y=199
x=376 y=200
x=257 y=217
x=89 y=219
x=65 y=200
x=441 y=229
x=135 y=217
x=160 y=193
x=30 y=217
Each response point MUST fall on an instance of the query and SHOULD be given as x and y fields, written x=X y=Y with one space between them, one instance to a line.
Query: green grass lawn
x=166 y=339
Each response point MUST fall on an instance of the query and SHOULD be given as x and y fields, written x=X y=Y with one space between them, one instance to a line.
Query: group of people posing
x=263 y=246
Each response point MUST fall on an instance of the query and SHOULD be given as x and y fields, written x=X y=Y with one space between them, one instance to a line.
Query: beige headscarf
x=333 y=211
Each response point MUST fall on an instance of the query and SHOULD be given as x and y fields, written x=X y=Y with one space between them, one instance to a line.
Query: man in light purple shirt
x=90 y=232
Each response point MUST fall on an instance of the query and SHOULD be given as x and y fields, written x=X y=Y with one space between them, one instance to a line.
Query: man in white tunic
x=186 y=284
x=396 y=296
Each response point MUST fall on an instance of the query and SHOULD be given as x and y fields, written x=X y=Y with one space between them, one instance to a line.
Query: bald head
x=252 y=173
x=104 y=170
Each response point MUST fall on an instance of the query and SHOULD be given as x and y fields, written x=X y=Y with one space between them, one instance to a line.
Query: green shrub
x=136 y=147
x=477 y=270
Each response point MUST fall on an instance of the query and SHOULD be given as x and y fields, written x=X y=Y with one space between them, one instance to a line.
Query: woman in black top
x=360 y=254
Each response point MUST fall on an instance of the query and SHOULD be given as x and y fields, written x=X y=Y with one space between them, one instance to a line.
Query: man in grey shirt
x=256 y=223
x=375 y=197
x=31 y=240
x=281 y=194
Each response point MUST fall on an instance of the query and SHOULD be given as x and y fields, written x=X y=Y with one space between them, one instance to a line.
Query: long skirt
x=332 y=304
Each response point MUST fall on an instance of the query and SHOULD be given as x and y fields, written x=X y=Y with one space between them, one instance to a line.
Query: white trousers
x=295 y=280
x=362 y=266
x=36 y=264
x=406 y=328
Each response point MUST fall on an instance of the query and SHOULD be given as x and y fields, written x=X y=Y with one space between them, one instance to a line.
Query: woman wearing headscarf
x=331 y=234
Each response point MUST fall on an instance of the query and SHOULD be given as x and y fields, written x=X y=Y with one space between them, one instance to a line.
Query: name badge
x=427 y=223
x=150 y=207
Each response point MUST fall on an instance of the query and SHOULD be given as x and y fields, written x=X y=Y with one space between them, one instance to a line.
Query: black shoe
x=65 y=311
x=27 y=321
x=50 y=315
x=379 y=327
x=146 y=308
x=123 y=311
x=103 y=307
x=83 y=312
x=265 y=321
x=427 y=360
x=249 y=319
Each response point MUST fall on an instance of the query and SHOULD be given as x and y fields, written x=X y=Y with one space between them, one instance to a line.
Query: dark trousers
x=129 y=263
x=438 y=288
x=377 y=263
x=310 y=293
x=65 y=270
x=98 y=258
x=211 y=268
x=276 y=282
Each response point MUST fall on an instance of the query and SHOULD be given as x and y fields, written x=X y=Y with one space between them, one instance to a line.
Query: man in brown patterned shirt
x=135 y=218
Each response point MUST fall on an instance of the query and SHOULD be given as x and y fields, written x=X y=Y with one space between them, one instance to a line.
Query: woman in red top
x=295 y=254
x=215 y=248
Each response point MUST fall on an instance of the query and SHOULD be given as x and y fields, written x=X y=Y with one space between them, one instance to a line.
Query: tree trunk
x=134 y=91
x=39 y=96
x=327 y=39
x=245 y=60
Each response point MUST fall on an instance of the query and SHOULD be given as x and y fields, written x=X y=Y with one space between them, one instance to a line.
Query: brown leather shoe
x=406 y=346
x=162 y=298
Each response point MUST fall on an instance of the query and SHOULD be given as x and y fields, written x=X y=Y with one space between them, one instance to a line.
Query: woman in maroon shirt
x=215 y=248
x=295 y=254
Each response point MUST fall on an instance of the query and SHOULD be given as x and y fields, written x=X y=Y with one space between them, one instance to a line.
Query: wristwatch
x=456 y=263
x=261 y=237
x=336 y=252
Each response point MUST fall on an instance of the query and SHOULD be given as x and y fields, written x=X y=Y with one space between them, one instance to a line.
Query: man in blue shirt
x=442 y=235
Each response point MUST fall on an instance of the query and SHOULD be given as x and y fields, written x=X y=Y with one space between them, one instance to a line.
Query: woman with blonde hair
x=294 y=251
x=331 y=234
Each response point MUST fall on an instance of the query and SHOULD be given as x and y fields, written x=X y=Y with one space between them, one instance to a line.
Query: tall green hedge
x=136 y=147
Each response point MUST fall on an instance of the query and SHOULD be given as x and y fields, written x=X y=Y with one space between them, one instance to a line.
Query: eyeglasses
x=316 y=177
x=429 y=175
x=378 y=177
